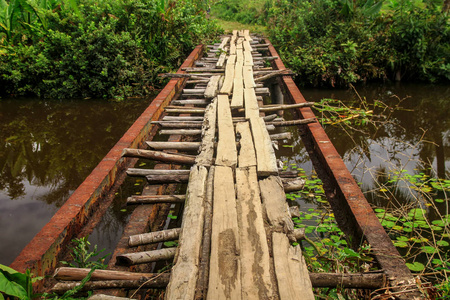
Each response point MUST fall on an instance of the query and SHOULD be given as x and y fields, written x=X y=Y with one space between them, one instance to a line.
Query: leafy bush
x=107 y=49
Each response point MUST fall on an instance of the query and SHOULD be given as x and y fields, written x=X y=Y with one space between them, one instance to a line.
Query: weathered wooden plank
x=275 y=205
x=212 y=87
x=239 y=44
x=183 y=118
x=224 y=275
x=247 y=72
x=186 y=110
x=191 y=102
x=247 y=46
x=205 y=157
x=248 y=59
x=184 y=273
x=145 y=257
x=226 y=147
x=220 y=63
x=290 y=269
x=224 y=43
x=251 y=104
x=255 y=260
x=237 y=100
x=247 y=155
x=229 y=78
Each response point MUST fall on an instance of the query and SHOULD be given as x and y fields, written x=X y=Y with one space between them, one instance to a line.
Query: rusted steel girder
x=41 y=254
x=353 y=213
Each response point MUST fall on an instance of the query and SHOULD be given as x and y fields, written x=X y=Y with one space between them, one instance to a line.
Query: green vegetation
x=86 y=48
x=83 y=256
x=337 y=42
x=13 y=283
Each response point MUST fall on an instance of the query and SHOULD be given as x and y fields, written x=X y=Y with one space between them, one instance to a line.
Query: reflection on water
x=47 y=148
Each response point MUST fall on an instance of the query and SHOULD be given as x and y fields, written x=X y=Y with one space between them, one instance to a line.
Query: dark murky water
x=47 y=149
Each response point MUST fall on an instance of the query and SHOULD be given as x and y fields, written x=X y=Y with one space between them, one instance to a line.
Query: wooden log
x=212 y=87
x=274 y=200
x=191 y=102
x=180 y=125
x=273 y=74
x=136 y=258
x=265 y=155
x=152 y=199
x=164 y=179
x=267 y=58
x=204 y=70
x=184 y=108
x=224 y=281
x=185 y=111
x=78 y=274
x=195 y=91
x=352 y=281
x=182 y=118
x=247 y=155
x=205 y=157
x=297 y=234
x=226 y=146
x=262 y=91
x=293 y=122
x=181 y=146
x=154 y=237
x=146 y=172
x=184 y=273
x=106 y=297
x=290 y=269
x=159 y=156
x=285 y=106
x=294 y=211
x=251 y=104
x=181 y=131
x=203 y=275
x=160 y=281
x=227 y=86
x=254 y=256
x=293 y=185
x=281 y=136
x=221 y=61
x=197 y=81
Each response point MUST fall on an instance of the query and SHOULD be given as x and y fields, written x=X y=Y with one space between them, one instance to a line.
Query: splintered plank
x=290 y=269
x=247 y=156
x=224 y=43
x=248 y=59
x=251 y=104
x=231 y=59
x=247 y=73
x=274 y=200
x=221 y=61
x=247 y=46
x=228 y=82
x=255 y=268
x=239 y=56
x=247 y=35
x=224 y=275
x=212 y=87
x=226 y=147
x=205 y=157
x=184 y=273
x=239 y=43
x=265 y=155
x=233 y=45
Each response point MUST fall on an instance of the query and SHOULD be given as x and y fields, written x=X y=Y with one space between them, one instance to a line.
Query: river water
x=47 y=148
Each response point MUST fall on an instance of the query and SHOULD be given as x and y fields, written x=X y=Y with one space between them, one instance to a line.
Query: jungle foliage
x=86 y=48
x=336 y=42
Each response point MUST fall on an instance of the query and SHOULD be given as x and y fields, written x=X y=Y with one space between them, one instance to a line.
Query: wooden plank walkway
x=236 y=232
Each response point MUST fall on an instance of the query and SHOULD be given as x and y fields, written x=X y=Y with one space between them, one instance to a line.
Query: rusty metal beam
x=351 y=209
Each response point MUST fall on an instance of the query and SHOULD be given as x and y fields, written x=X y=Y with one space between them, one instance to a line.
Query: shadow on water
x=47 y=149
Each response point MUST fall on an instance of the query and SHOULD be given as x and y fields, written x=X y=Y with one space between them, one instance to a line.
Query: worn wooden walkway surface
x=235 y=240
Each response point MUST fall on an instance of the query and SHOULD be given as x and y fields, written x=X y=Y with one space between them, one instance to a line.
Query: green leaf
x=402 y=239
x=442 y=243
x=12 y=288
x=400 y=244
x=416 y=266
x=428 y=249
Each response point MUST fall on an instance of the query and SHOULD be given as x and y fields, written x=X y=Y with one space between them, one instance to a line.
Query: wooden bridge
x=236 y=237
